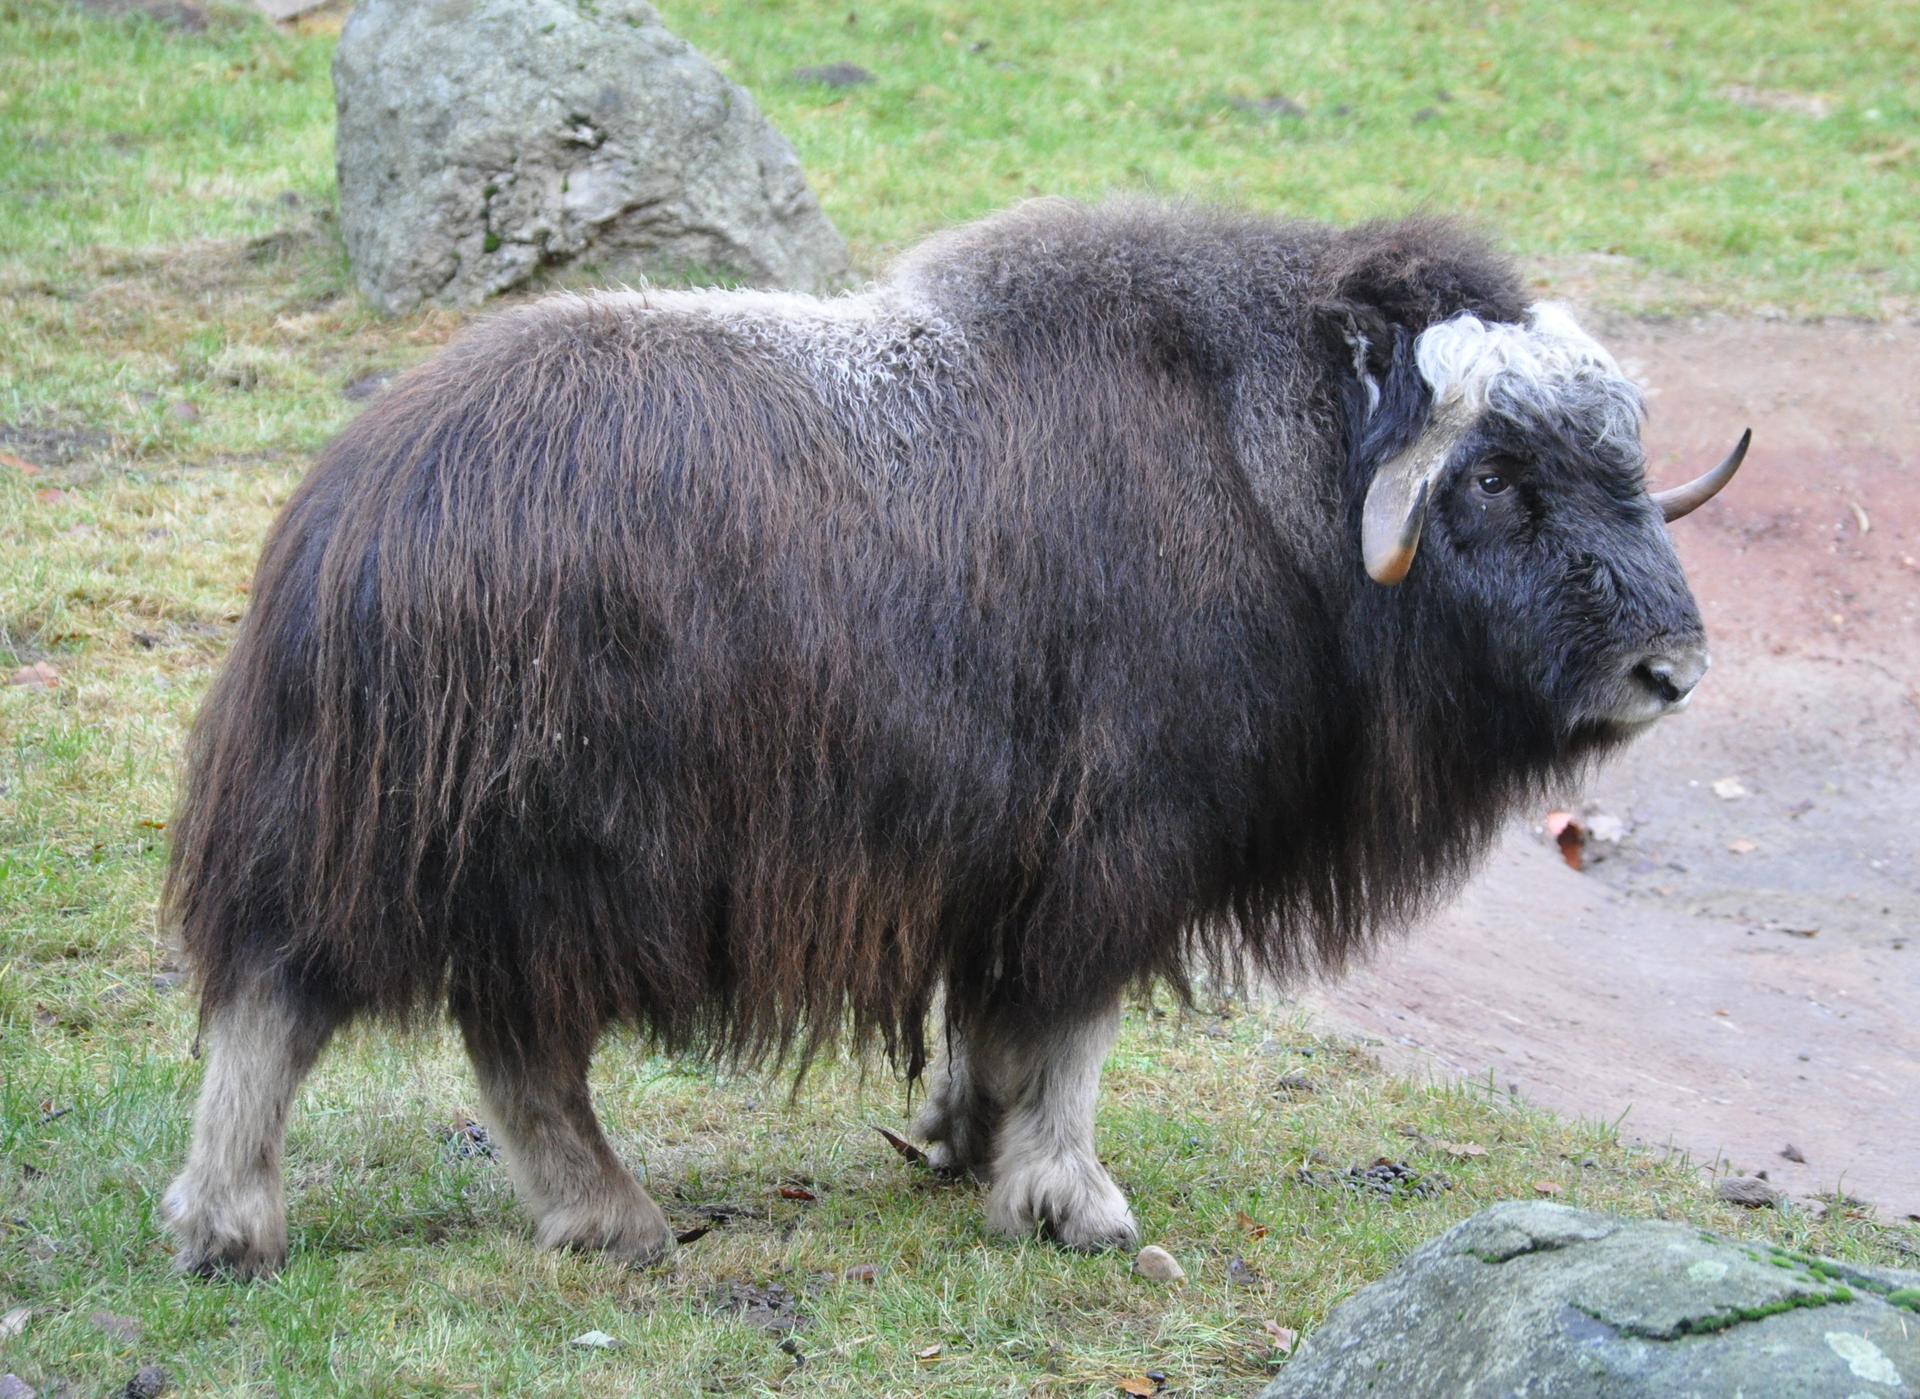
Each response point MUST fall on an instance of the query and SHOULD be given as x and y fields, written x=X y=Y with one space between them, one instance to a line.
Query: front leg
x=1045 y=1174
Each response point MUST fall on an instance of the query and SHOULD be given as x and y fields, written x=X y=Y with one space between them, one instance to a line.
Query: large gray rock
x=1538 y=1299
x=480 y=140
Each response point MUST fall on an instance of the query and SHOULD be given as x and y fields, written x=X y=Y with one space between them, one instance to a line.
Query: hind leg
x=961 y=1113
x=565 y=1173
x=226 y=1210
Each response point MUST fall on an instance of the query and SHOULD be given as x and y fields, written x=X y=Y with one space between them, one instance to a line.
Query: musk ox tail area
x=452 y=754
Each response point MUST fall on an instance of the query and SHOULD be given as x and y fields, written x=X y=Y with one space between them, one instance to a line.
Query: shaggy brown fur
x=752 y=670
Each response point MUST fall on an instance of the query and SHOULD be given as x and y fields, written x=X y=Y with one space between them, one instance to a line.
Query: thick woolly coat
x=751 y=667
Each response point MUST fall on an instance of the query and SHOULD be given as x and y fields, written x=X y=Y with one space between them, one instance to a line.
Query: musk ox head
x=1503 y=481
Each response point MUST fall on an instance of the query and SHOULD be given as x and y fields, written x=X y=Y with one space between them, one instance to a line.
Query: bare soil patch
x=1741 y=974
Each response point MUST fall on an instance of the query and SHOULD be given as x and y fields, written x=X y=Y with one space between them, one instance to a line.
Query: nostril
x=1672 y=674
x=1657 y=675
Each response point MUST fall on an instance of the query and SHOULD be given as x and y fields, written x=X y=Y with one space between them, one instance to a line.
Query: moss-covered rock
x=1535 y=1298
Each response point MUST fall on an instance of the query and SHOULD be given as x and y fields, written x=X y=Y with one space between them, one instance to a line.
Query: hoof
x=631 y=1230
x=1075 y=1204
x=239 y=1234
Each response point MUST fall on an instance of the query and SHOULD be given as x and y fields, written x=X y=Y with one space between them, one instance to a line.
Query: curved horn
x=1396 y=504
x=1684 y=500
x=1390 y=536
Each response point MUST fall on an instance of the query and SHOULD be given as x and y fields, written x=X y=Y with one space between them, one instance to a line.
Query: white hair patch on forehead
x=1550 y=361
x=1463 y=355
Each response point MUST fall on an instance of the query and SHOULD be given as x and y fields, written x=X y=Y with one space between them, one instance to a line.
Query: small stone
x=1750 y=1191
x=1155 y=1264
x=1730 y=789
x=148 y=1382
x=594 y=1340
x=1608 y=830
x=13 y=1387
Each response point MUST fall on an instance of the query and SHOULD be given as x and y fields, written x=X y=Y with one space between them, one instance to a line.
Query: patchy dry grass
x=177 y=335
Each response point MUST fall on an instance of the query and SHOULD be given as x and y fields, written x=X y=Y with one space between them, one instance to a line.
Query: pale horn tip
x=1684 y=500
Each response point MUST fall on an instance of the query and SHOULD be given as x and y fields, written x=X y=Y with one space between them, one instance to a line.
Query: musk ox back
x=1109 y=593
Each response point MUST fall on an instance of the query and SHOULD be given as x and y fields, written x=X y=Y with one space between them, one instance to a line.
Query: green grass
x=1572 y=128
x=176 y=327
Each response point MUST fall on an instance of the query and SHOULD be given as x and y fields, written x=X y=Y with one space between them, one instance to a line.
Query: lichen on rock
x=1531 y=1297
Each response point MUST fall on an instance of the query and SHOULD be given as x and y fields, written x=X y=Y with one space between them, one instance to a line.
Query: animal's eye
x=1490 y=482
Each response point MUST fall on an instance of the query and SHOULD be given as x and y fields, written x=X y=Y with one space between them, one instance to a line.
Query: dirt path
x=1740 y=972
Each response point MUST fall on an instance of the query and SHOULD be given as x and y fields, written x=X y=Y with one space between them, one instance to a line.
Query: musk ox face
x=1511 y=487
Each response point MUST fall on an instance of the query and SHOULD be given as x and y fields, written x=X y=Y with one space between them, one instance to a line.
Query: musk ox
x=1109 y=594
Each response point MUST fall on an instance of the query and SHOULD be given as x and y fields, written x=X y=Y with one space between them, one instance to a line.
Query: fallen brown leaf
x=25 y=468
x=863 y=1272
x=1546 y=1187
x=912 y=1154
x=1567 y=833
x=1255 y=1229
x=1283 y=1337
x=797 y=1192
x=931 y=1352
x=1460 y=1151
x=1138 y=1384
x=52 y=495
x=38 y=676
